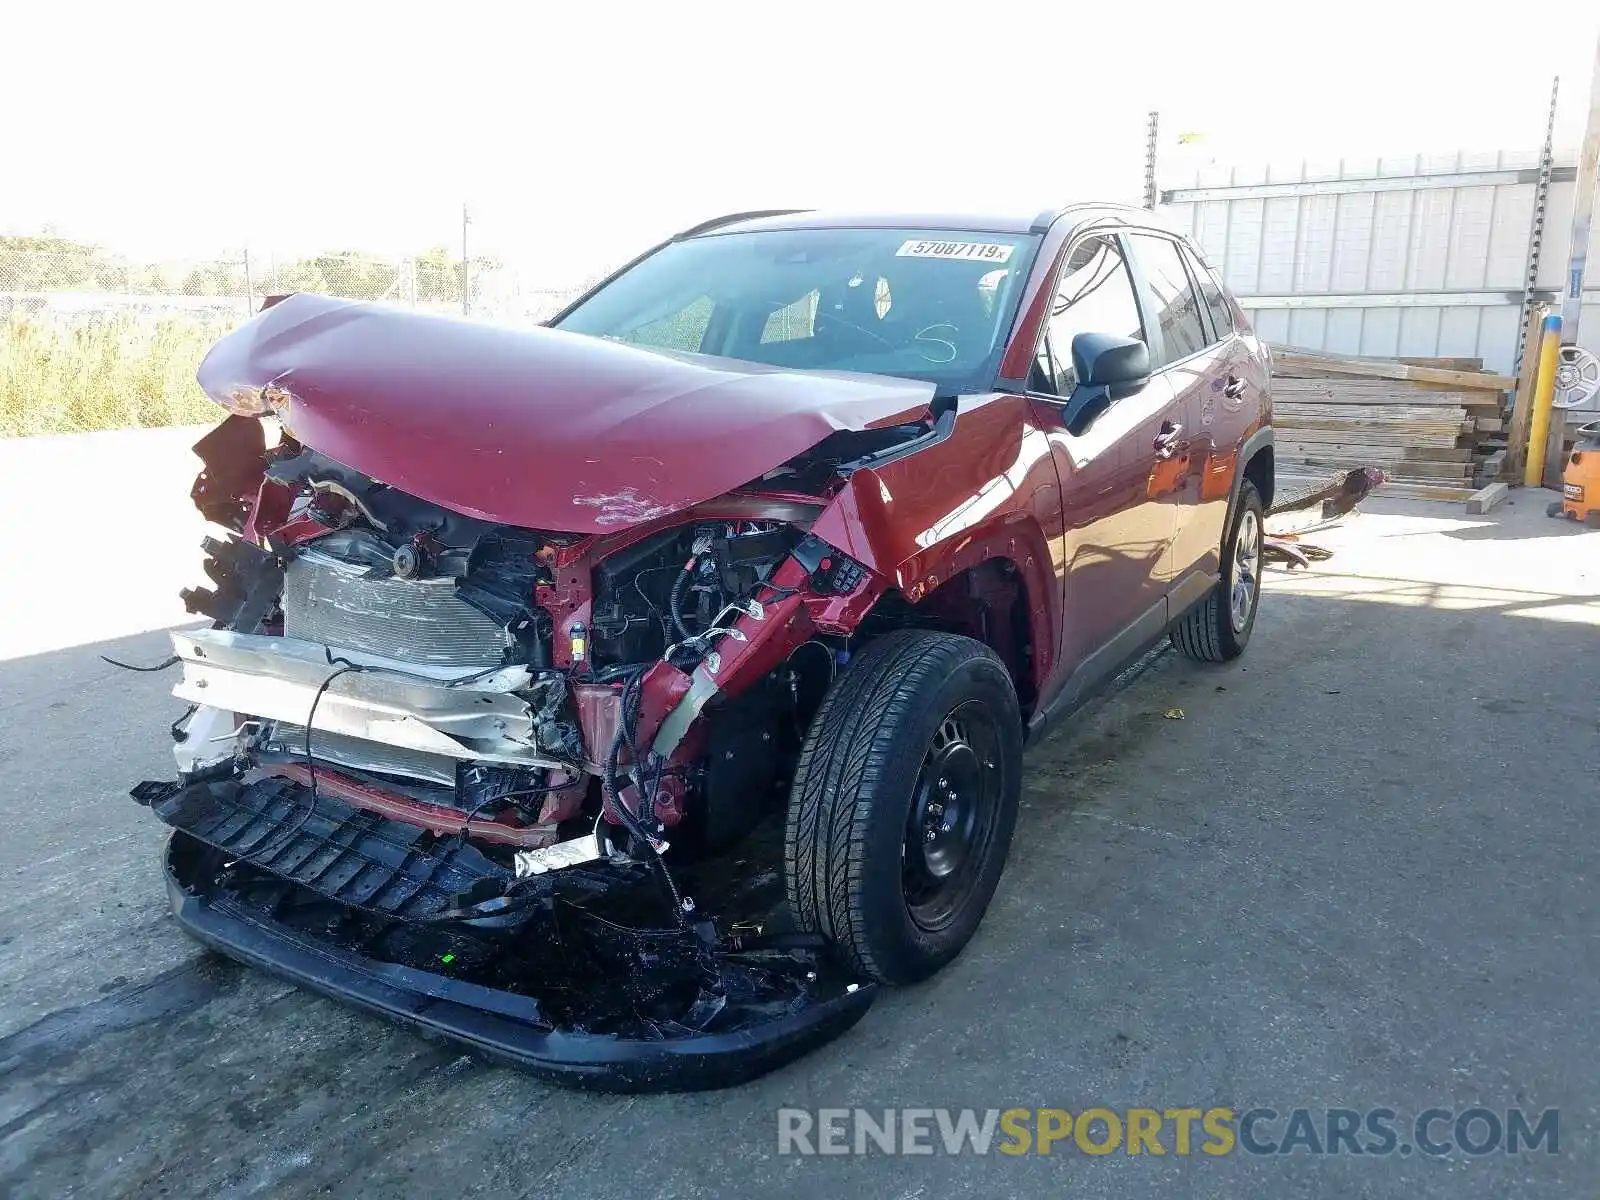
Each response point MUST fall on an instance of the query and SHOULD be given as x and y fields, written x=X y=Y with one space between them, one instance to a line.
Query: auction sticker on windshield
x=971 y=251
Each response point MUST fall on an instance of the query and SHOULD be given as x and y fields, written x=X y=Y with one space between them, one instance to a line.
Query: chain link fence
x=79 y=280
x=93 y=341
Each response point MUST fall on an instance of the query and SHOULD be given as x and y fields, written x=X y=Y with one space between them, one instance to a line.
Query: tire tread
x=841 y=776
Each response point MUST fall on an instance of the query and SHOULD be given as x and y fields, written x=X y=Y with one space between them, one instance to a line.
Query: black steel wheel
x=954 y=805
x=903 y=803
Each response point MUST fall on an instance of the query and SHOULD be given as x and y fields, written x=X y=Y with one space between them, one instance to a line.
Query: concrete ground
x=1358 y=872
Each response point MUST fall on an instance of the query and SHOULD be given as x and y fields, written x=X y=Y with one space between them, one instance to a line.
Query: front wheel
x=903 y=803
x=1218 y=628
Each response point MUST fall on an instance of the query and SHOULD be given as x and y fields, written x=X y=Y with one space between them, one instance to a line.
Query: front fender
x=989 y=491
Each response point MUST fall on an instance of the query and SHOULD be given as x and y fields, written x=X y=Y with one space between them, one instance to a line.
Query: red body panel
x=534 y=427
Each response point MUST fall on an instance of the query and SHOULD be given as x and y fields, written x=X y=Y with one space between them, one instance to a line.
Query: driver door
x=1117 y=511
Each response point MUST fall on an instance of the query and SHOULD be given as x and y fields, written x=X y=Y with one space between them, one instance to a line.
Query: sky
x=578 y=134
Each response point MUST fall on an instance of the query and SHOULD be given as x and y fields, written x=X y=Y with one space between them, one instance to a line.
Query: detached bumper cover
x=506 y=1027
x=308 y=911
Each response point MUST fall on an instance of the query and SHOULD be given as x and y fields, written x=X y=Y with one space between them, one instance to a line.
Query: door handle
x=1167 y=440
x=1234 y=388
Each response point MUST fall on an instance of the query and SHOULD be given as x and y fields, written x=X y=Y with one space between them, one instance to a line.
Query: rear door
x=1194 y=364
x=1228 y=417
x=1118 y=531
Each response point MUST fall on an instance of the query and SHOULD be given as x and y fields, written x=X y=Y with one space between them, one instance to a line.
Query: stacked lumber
x=1433 y=426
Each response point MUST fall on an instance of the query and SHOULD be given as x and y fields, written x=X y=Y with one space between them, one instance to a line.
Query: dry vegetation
x=61 y=374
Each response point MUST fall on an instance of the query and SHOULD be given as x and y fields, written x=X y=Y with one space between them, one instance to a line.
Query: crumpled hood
x=534 y=427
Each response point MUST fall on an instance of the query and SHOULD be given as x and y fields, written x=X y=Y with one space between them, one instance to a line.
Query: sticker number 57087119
x=990 y=252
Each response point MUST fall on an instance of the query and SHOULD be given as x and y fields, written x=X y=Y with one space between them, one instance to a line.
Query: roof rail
x=1042 y=223
x=730 y=218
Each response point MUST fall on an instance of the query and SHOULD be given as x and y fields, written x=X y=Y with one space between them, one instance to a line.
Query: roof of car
x=990 y=222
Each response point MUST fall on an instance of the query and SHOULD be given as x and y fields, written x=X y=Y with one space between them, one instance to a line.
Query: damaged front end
x=518 y=786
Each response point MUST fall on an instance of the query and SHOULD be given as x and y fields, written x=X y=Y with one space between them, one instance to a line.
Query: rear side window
x=1177 y=307
x=1211 y=293
x=1094 y=295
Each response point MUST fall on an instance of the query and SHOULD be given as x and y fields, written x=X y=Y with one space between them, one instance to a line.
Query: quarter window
x=1177 y=308
x=1094 y=295
x=1211 y=293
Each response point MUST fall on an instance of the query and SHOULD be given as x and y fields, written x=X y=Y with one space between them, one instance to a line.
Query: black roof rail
x=730 y=218
x=1042 y=223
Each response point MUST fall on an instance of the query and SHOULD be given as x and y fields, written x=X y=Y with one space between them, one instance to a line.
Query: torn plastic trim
x=944 y=424
x=407 y=705
x=208 y=740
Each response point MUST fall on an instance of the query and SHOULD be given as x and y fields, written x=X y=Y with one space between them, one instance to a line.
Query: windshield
x=931 y=304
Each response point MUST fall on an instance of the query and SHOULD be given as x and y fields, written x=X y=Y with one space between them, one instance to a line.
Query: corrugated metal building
x=1423 y=256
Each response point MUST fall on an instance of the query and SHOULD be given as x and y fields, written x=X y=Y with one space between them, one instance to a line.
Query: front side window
x=932 y=304
x=1093 y=295
x=1177 y=308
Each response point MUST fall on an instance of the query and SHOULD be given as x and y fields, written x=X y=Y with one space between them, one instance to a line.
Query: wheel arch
x=1259 y=467
x=993 y=601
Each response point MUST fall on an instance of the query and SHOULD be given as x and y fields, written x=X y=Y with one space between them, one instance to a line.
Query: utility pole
x=1541 y=202
x=1150 y=196
x=466 y=271
x=1582 y=210
x=248 y=290
x=1572 y=292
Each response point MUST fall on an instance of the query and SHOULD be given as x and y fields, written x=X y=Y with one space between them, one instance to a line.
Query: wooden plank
x=1366 y=384
x=1315 y=429
x=1391 y=446
x=1390 y=488
x=1339 y=391
x=1355 y=456
x=1401 y=490
x=1335 y=419
x=1449 y=364
x=1407 y=467
x=1349 y=383
x=1454 y=414
x=1484 y=499
x=1287 y=361
x=1461 y=454
x=1522 y=404
x=1373 y=437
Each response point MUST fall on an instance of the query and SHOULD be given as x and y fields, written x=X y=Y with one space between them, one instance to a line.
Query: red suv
x=796 y=523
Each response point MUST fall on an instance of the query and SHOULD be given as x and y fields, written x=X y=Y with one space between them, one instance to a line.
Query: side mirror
x=1107 y=368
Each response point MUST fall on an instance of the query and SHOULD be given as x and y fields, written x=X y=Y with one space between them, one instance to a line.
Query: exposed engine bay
x=505 y=756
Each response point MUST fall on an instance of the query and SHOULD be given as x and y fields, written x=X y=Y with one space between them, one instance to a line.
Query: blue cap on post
x=1552 y=322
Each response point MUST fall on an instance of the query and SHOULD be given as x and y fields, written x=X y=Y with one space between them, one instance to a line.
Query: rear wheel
x=1218 y=628
x=903 y=803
